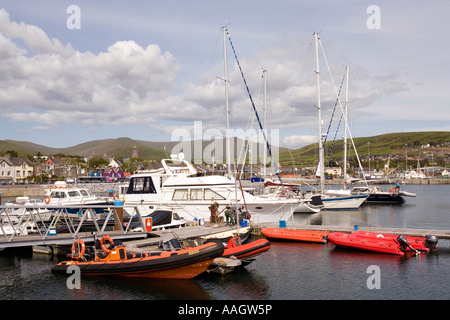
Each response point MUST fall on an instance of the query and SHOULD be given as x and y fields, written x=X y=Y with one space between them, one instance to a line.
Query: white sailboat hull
x=305 y=207
x=335 y=202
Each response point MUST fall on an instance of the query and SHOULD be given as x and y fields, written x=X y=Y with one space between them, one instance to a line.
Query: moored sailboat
x=332 y=200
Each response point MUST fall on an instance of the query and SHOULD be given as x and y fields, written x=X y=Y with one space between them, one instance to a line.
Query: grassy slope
x=392 y=143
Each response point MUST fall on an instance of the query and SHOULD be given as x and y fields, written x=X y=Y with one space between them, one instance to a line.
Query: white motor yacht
x=192 y=195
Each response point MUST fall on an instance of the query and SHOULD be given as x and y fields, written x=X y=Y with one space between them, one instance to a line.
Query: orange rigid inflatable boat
x=184 y=263
x=383 y=243
x=295 y=235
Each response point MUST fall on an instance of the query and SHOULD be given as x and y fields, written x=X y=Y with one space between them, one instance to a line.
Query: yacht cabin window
x=140 y=185
x=212 y=195
x=196 y=194
x=180 y=194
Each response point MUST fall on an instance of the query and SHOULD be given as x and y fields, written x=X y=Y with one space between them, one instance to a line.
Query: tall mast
x=321 y=152
x=346 y=127
x=225 y=66
x=265 y=127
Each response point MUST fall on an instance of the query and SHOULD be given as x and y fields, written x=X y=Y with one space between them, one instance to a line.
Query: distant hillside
x=392 y=143
x=119 y=148
x=386 y=144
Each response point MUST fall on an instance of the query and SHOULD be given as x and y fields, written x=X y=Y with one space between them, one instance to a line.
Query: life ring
x=102 y=242
x=392 y=190
x=75 y=246
x=47 y=199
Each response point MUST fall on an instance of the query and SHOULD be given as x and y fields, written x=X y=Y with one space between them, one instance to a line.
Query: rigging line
x=342 y=109
x=330 y=150
x=249 y=141
x=256 y=112
x=334 y=110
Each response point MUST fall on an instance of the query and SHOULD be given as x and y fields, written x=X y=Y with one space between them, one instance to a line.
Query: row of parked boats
x=395 y=244
x=176 y=194
x=177 y=259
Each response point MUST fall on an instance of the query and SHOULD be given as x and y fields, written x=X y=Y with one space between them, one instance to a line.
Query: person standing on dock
x=213 y=210
x=229 y=217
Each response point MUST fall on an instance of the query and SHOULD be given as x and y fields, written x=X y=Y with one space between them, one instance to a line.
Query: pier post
x=119 y=211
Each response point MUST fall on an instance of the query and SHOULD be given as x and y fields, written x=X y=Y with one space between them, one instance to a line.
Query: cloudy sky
x=142 y=69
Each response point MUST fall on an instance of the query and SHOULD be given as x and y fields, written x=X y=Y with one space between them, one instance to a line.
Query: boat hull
x=295 y=235
x=343 y=202
x=261 y=212
x=180 y=264
x=248 y=250
x=385 y=198
x=378 y=242
x=418 y=243
x=305 y=207
x=350 y=240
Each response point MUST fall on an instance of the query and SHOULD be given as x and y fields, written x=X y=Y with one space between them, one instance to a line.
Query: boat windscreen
x=139 y=185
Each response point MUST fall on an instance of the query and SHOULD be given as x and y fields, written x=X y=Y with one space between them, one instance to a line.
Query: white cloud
x=46 y=83
x=55 y=84
x=297 y=141
x=34 y=37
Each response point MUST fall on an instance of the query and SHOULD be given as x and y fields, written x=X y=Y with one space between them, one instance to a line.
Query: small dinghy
x=237 y=254
x=383 y=243
x=295 y=235
x=104 y=259
x=224 y=265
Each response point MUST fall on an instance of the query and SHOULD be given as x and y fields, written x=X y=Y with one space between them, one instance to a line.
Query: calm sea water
x=288 y=271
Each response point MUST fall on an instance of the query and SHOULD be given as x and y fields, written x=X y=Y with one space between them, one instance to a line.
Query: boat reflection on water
x=242 y=284
x=154 y=289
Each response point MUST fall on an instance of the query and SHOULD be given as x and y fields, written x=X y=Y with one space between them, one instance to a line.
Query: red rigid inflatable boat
x=295 y=235
x=383 y=243
x=245 y=252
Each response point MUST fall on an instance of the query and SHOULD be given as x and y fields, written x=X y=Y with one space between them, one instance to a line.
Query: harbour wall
x=39 y=190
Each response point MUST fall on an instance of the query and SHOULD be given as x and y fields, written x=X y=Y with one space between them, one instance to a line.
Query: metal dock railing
x=31 y=225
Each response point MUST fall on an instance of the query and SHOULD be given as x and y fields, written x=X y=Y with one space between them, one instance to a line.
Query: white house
x=6 y=170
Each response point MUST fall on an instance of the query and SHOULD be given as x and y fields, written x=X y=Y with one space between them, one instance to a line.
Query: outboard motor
x=404 y=243
x=431 y=242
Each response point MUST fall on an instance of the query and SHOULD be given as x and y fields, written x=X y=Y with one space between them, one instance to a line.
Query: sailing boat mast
x=346 y=128
x=225 y=66
x=265 y=127
x=321 y=151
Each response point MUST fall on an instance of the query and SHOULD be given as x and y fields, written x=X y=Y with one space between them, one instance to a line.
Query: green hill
x=386 y=144
x=120 y=147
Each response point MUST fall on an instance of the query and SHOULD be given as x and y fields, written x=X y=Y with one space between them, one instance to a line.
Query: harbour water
x=288 y=271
